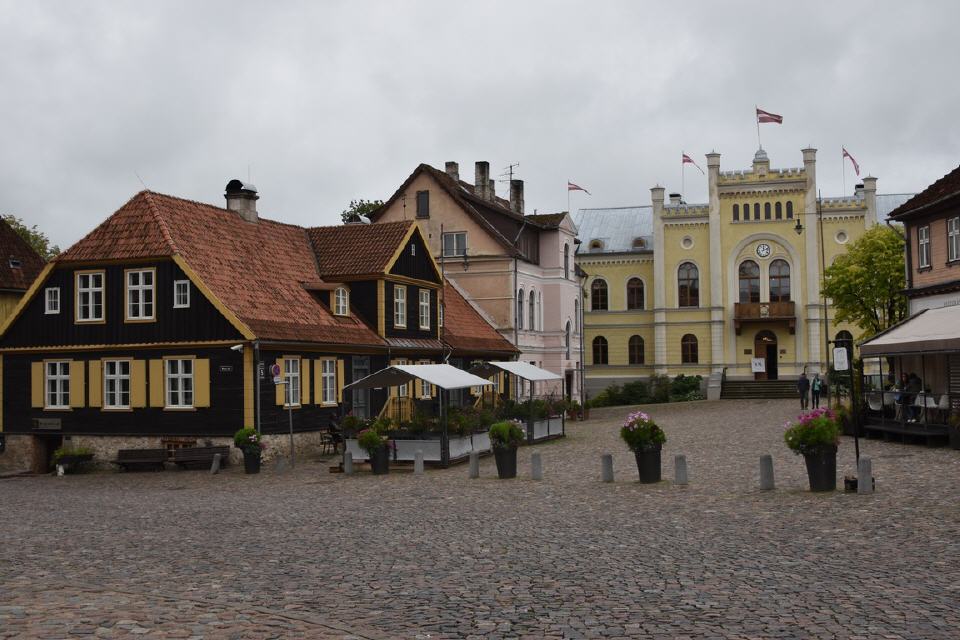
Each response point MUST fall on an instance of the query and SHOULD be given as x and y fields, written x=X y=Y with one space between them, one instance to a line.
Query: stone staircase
x=759 y=389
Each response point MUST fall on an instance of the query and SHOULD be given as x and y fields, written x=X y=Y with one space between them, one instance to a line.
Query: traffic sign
x=275 y=370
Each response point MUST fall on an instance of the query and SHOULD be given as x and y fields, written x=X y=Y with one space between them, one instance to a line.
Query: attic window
x=639 y=243
x=413 y=249
x=14 y=263
x=596 y=245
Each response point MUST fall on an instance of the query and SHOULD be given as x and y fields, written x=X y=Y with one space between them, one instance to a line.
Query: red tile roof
x=948 y=185
x=12 y=246
x=356 y=249
x=465 y=330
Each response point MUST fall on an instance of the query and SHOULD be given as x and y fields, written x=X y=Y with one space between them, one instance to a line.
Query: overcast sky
x=323 y=102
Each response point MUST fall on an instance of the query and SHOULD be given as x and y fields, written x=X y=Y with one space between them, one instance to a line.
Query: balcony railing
x=764 y=312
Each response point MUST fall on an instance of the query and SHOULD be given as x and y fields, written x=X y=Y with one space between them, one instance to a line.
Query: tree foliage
x=33 y=236
x=360 y=207
x=866 y=283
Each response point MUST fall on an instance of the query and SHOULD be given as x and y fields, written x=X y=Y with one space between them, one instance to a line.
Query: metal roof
x=615 y=227
x=887 y=202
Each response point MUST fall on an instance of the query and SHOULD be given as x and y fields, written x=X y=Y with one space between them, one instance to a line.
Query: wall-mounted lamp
x=466 y=261
x=798 y=227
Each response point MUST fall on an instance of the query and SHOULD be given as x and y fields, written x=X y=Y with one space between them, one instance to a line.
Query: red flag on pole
x=688 y=160
x=573 y=187
x=846 y=154
x=766 y=116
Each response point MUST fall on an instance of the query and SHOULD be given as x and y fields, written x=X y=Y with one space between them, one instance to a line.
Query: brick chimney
x=453 y=170
x=676 y=198
x=516 y=196
x=491 y=190
x=481 y=181
x=242 y=198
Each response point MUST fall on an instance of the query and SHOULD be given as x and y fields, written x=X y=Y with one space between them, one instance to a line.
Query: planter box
x=406 y=450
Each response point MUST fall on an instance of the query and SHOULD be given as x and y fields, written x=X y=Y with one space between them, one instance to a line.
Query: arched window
x=746 y=211
x=639 y=243
x=566 y=342
x=779 y=281
x=635 y=293
x=688 y=285
x=576 y=316
x=600 y=350
x=736 y=213
x=596 y=245
x=845 y=339
x=688 y=349
x=532 y=304
x=789 y=209
x=635 y=349
x=778 y=211
x=341 y=301
x=598 y=295
x=766 y=210
x=540 y=311
x=520 y=309
x=566 y=261
x=749 y=281
x=756 y=210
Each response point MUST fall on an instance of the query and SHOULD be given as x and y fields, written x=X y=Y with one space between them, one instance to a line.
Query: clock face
x=763 y=250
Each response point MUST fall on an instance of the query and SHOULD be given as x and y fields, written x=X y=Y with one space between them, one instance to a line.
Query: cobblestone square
x=309 y=554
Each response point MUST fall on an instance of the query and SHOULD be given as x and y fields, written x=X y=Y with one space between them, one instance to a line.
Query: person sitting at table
x=914 y=387
x=900 y=398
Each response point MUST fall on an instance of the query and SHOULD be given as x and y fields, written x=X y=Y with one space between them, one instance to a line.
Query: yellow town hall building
x=731 y=285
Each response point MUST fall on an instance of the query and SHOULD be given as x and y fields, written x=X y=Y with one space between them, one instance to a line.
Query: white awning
x=523 y=370
x=930 y=331
x=441 y=375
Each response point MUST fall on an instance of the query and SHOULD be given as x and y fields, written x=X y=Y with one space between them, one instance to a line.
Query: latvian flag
x=846 y=154
x=573 y=187
x=766 y=116
x=688 y=160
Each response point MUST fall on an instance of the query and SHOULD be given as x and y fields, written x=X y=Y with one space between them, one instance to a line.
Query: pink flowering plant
x=814 y=431
x=249 y=441
x=641 y=433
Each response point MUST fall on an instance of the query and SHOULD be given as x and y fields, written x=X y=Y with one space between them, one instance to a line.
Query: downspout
x=256 y=375
x=583 y=333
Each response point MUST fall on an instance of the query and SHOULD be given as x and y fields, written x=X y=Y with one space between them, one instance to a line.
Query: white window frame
x=425 y=309
x=181 y=294
x=439 y=314
x=459 y=248
x=341 y=301
x=115 y=376
x=291 y=382
x=178 y=398
x=146 y=295
x=953 y=239
x=328 y=381
x=402 y=390
x=91 y=293
x=426 y=389
x=400 y=306
x=58 y=373
x=51 y=297
x=923 y=246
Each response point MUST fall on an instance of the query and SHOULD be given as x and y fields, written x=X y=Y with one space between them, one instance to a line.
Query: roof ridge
x=220 y=209
x=161 y=222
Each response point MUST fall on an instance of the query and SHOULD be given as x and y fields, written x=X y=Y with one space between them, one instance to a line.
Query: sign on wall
x=840 y=362
x=758 y=365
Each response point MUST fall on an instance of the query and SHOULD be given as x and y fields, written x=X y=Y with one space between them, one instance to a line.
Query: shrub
x=660 y=389
x=641 y=433
x=370 y=440
x=683 y=387
x=814 y=431
x=351 y=424
x=248 y=440
x=506 y=434
x=66 y=452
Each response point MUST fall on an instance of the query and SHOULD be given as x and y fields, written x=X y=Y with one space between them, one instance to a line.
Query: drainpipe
x=256 y=375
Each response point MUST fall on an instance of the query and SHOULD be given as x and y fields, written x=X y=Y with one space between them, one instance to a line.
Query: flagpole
x=568 y=195
x=683 y=173
x=843 y=161
x=757 y=118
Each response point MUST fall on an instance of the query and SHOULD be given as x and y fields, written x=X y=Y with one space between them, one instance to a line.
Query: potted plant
x=815 y=436
x=72 y=456
x=377 y=447
x=645 y=439
x=953 y=430
x=573 y=410
x=251 y=444
x=505 y=437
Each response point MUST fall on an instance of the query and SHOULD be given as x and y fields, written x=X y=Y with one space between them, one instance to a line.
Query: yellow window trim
x=163 y=377
x=43 y=381
x=126 y=291
x=76 y=296
x=333 y=301
x=324 y=403
x=103 y=384
x=283 y=376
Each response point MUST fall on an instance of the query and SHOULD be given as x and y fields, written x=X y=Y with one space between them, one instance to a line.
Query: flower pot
x=648 y=463
x=822 y=469
x=380 y=461
x=954 y=434
x=506 y=462
x=251 y=461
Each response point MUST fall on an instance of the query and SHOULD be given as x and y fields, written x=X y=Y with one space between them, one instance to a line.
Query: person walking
x=816 y=385
x=803 y=386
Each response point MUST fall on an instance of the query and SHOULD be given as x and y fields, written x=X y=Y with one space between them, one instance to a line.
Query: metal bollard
x=474 y=464
x=215 y=465
x=536 y=467
x=418 y=463
x=680 y=470
x=348 y=463
x=766 y=473
x=606 y=467
x=865 y=476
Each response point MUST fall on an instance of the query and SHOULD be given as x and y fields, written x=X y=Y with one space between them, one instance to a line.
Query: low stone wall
x=18 y=454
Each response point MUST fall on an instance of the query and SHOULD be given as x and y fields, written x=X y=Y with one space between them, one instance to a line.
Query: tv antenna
x=508 y=172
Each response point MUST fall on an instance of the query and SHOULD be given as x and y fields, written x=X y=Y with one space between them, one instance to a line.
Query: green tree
x=33 y=236
x=866 y=283
x=360 y=207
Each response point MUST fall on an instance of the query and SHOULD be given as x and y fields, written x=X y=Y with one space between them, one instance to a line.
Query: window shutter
x=418 y=388
x=318 y=381
x=95 y=386
x=138 y=384
x=77 y=386
x=36 y=385
x=305 y=382
x=339 y=380
x=201 y=382
x=279 y=388
x=157 y=384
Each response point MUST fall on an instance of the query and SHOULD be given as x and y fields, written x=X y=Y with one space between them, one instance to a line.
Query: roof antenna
x=141 y=180
x=508 y=172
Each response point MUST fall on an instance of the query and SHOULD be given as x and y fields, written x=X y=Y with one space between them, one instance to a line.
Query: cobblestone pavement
x=316 y=555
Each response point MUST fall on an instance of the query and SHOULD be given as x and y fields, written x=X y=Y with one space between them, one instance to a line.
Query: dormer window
x=14 y=263
x=639 y=243
x=596 y=245
x=341 y=301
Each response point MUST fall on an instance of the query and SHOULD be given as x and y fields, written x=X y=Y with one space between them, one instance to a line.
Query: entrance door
x=765 y=346
x=361 y=397
x=569 y=384
x=43 y=448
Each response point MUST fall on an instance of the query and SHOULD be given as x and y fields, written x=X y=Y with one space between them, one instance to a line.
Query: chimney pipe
x=516 y=196
x=242 y=198
x=453 y=170
x=481 y=181
x=492 y=190
x=676 y=198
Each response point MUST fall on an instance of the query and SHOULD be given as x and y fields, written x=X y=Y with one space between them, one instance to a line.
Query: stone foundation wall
x=18 y=455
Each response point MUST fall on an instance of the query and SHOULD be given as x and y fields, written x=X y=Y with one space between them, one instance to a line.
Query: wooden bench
x=200 y=457
x=141 y=459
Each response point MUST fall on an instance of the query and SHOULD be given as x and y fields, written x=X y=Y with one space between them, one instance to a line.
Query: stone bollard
x=680 y=470
x=766 y=473
x=215 y=465
x=536 y=467
x=865 y=476
x=474 y=465
x=348 y=463
x=418 y=463
x=606 y=467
